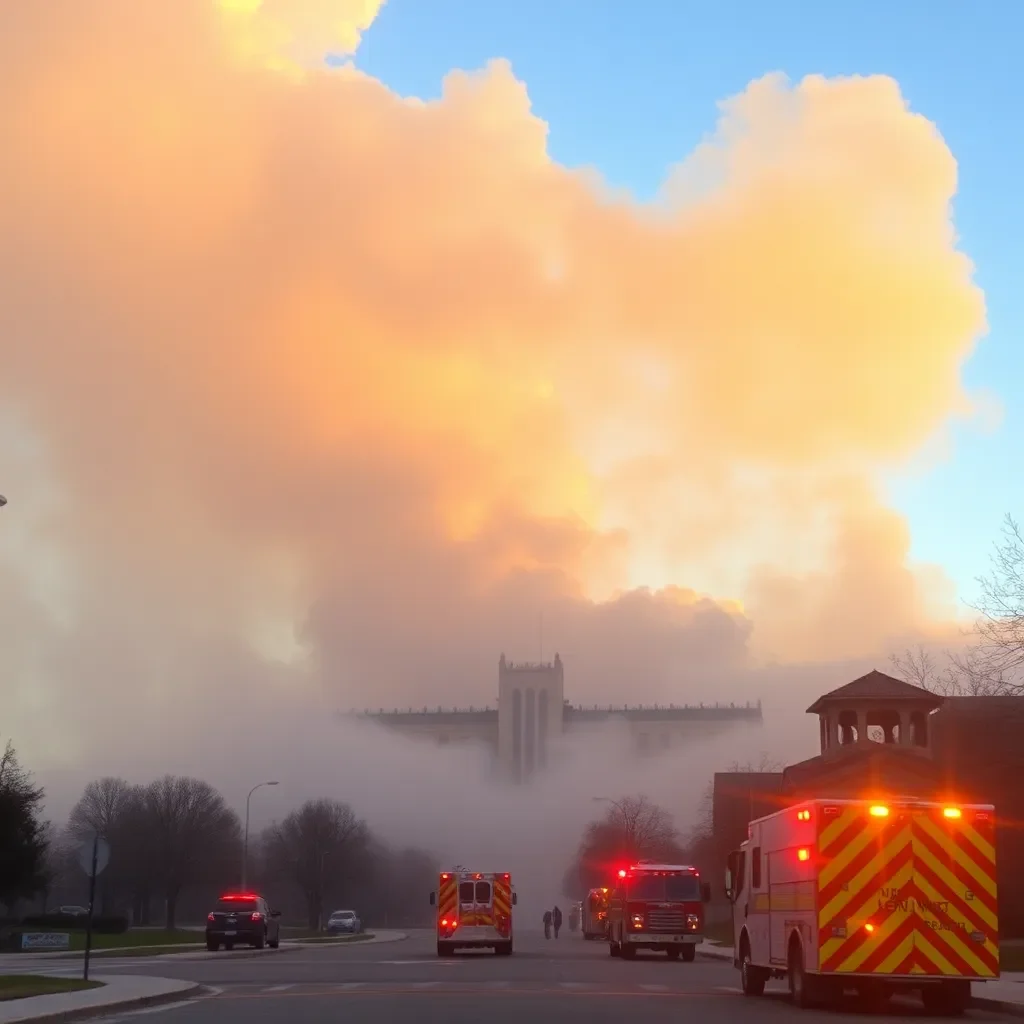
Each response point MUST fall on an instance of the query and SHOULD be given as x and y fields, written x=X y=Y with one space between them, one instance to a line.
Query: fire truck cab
x=658 y=907
x=474 y=911
x=877 y=896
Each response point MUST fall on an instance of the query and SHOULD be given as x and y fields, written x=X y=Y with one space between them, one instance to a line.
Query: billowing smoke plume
x=318 y=396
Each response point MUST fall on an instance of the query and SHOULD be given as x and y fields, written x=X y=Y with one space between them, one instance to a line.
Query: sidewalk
x=119 y=992
x=1004 y=995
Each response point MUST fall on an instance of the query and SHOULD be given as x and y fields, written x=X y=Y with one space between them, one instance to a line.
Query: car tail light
x=257 y=916
x=210 y=917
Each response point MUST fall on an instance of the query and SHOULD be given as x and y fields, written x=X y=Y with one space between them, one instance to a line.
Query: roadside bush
x=73 y=923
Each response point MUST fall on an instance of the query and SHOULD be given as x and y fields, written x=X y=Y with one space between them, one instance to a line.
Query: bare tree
x=1001 y=627
x=317 y=846
x=703 y=827
x=976 y=671
x=114 y=808
x=194 y=836
x=633 y=829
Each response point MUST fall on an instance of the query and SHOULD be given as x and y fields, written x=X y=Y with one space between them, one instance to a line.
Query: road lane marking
x=278 y=988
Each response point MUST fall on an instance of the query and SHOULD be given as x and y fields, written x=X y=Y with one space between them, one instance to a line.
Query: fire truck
x=474 y=911
x=877 y=896
x=658 y=907
x=595 y=914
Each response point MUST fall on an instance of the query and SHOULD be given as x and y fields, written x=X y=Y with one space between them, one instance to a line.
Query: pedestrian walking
x=556 y=920
x=547 y=924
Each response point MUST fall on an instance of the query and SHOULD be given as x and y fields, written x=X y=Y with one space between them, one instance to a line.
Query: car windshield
x=237 y=906
x=343 y=914
x=665 y=888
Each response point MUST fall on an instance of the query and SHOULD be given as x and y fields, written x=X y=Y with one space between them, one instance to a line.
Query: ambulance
x=595 y=914
x=878 y=896
x=474 y=911
x=657 y=907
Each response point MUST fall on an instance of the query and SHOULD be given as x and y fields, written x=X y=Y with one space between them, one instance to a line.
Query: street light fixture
x=245 y=844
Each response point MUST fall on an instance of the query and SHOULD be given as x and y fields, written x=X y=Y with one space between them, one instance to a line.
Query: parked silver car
x=344 y=922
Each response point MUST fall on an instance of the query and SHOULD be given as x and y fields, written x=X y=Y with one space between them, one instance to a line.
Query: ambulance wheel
x=752 y=980
x=445 y=949
x=614 y=949
x=689 y=954
x=503 y=949
x=799 y=989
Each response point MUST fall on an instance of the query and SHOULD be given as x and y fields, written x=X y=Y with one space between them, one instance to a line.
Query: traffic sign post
x=93 y=857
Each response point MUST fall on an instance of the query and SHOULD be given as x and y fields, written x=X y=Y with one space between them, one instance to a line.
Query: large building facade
x=532 y=713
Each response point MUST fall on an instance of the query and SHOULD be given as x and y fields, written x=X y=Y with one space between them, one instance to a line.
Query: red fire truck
x=595 y=914
x=658 y=907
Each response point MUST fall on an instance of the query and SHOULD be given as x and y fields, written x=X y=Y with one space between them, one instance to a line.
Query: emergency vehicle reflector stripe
x=502 y=904
x=926 y=884
x=447 y=897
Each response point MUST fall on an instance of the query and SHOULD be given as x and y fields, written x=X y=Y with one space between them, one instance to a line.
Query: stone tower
x=531 y=697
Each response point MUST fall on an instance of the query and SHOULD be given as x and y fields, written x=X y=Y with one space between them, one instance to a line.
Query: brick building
x=881 y=735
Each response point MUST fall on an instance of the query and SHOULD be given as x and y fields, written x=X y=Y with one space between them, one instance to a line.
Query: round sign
x=84 y=855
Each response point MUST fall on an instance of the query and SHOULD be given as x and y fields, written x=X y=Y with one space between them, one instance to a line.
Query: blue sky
x=632 y=89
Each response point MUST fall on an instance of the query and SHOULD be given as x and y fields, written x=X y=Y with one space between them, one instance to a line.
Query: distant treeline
x=176 y=845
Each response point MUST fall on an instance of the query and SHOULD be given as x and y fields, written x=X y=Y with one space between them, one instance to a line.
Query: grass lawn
x=720 y=932
x=23 y=986
x=137 y=937
x=361 y=937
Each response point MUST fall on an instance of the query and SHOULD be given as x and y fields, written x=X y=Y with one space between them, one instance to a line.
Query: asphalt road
x=404 y=982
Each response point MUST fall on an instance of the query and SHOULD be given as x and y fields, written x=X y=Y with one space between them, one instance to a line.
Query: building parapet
x=570 y=713
x=438 y=715
x=663 y=712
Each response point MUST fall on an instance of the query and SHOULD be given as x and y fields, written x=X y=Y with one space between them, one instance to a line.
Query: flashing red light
x=240 y=896
x=445 y=877
x=505 y=876
x=803 y=854
x=622 y=872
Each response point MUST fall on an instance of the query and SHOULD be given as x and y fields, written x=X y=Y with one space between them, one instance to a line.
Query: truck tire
x=800 y=986
x=673 y=952
x=752 y=979
x=689 y=954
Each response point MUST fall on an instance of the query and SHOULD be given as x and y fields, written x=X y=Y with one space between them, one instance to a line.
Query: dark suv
x=242 y=918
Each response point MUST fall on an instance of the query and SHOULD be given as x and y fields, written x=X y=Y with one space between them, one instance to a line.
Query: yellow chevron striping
x=863 y=877
x=835 y=827
x=835 y=868
x=985 y=877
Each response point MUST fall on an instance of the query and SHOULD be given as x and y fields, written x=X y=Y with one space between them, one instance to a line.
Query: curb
x=997 y=1006
x=106 y=1009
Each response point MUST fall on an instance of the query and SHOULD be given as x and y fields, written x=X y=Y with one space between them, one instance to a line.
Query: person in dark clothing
x=556 y=919
x=547 y=924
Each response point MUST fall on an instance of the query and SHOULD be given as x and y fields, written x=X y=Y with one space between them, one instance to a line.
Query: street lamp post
x=245 y=844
